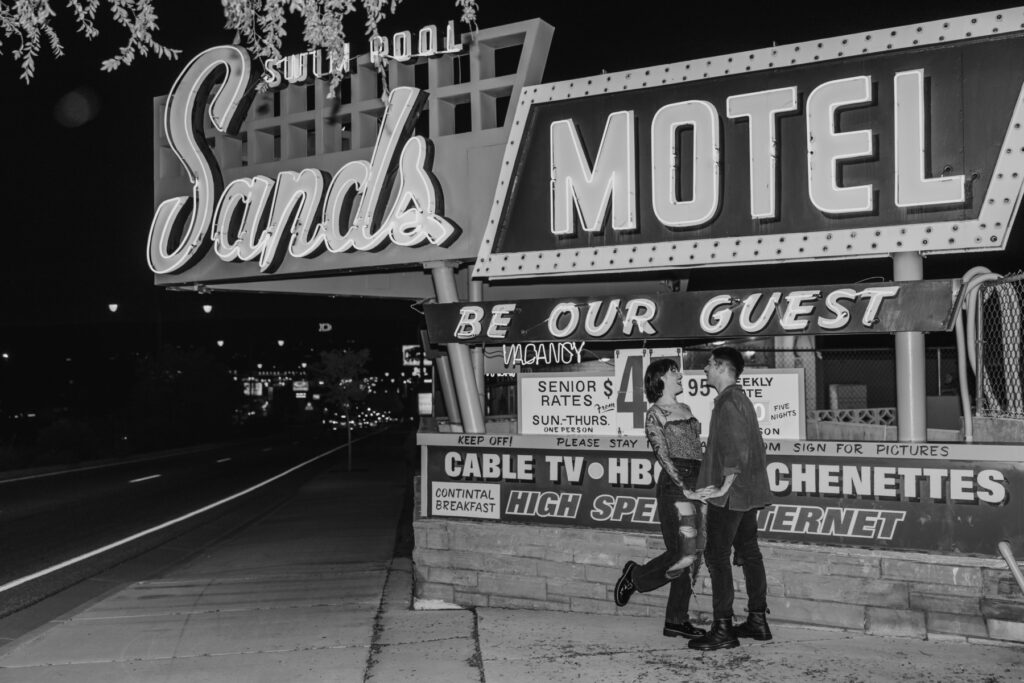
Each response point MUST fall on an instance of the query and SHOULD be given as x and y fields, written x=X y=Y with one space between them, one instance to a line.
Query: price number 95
x=698 y=386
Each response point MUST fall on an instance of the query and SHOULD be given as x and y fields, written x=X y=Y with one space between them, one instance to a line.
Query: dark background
x=78 y=199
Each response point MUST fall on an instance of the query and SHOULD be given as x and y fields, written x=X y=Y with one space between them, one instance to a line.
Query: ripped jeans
x=683 y=530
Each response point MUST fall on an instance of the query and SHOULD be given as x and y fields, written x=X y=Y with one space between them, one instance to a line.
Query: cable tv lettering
x=301 y=214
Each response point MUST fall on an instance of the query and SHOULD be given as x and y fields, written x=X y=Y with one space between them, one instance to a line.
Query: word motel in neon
x=590 y=194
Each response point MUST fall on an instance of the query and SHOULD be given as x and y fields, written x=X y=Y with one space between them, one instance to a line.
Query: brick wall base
x=875 y=591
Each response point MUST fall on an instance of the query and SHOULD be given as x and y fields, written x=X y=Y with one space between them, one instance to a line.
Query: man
x=734 y=481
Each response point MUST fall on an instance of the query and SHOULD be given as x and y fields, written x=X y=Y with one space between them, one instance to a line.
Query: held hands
x=715 y=491
x=707 y=492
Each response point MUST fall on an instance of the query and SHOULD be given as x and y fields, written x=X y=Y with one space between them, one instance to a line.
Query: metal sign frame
x=301 y=131
x=986 y=233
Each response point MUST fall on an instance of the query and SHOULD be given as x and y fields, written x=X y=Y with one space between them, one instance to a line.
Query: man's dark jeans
x=728 y=529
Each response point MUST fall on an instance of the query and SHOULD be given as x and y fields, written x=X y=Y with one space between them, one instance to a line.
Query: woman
x=674 y=435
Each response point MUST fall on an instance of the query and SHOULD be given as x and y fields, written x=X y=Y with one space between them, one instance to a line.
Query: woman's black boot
x=719 y=637
x=624 y=587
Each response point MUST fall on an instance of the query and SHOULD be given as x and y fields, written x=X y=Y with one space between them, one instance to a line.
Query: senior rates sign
x=903 y=139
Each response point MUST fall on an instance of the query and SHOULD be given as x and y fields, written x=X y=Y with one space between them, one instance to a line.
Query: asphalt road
x=50 y=519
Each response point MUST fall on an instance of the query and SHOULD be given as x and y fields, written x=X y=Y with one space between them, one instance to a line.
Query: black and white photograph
x=410 y=340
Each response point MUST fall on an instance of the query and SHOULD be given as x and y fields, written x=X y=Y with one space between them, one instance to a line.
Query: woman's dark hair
x=653 y=386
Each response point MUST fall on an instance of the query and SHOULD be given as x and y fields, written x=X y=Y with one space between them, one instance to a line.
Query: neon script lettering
x=300 y=214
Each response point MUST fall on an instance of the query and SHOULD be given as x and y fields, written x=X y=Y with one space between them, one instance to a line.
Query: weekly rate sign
x=903 y=139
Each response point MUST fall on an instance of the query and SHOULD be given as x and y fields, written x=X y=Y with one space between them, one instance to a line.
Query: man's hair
x=728 y=354
x=653 y=384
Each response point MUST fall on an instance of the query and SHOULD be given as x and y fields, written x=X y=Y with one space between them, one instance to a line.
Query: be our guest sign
x=859 y=308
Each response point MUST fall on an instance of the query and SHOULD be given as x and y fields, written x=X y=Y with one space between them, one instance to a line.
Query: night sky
x=78 y=200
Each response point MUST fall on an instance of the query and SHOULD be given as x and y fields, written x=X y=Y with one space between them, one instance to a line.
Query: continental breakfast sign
x=903 y=139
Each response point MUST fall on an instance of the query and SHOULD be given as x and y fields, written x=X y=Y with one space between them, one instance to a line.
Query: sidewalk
x=311 y=593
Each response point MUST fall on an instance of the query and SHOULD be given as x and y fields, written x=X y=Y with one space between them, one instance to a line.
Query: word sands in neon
x=300 y=214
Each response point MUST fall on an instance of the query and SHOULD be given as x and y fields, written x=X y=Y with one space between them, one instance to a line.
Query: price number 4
x=630 y=396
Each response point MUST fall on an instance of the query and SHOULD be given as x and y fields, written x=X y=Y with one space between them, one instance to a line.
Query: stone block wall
x=881 y=592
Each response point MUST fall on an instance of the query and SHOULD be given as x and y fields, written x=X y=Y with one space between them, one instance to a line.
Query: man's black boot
x=719 y=637
x=683 y=630
x=756 y=627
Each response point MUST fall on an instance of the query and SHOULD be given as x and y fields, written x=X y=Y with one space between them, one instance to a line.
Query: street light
x=207 y=308
x=220 y=342
x=280 y=342
x=112 y=308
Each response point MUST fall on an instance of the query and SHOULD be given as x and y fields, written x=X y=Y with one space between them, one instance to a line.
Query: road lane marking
x=152 y=476
x=108 y=465
x=223 y=460
x=177 y=520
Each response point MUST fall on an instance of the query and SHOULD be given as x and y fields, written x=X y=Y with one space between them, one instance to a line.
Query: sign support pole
x=910 y=361
x=451 y=404
x=476 y=293
x=462 y=366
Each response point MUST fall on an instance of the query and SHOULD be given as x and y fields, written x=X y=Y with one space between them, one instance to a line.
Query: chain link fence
x=1000 y=351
